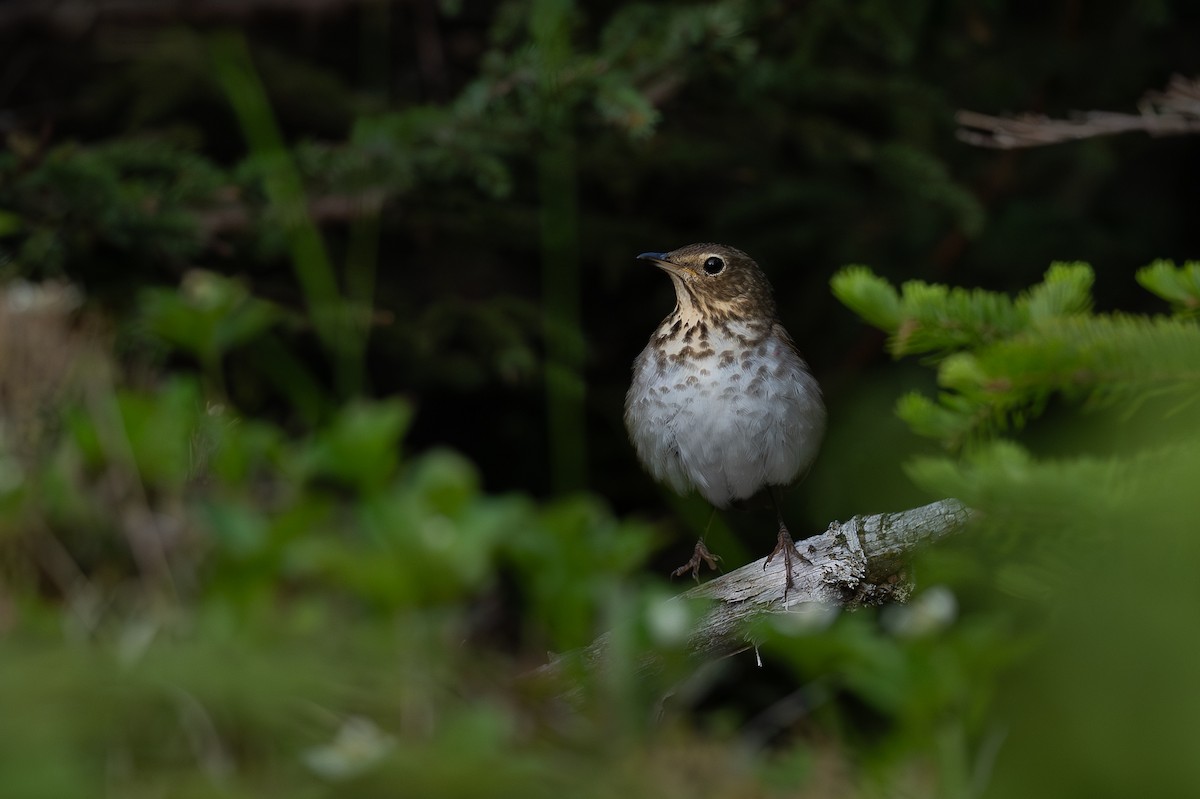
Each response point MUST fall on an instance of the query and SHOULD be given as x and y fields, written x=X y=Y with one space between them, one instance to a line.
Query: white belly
x=727 y=431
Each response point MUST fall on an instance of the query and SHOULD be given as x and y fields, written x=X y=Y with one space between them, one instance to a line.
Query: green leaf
x=360 y=448
x=868 y=295
x=942 y=421
x=159 y=429
x=1178 y=285
x=210 y=315
x=1066 y=290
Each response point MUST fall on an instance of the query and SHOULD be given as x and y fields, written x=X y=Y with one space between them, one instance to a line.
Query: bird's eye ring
x=714 y=265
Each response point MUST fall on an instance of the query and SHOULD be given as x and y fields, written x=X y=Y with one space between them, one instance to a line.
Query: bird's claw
x=700 y=554
x=787 y=547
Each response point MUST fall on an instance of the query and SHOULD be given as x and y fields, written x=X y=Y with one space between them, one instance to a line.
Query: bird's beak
x=660 y=260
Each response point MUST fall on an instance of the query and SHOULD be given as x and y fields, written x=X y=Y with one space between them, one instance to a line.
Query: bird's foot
x=699 y=555
x=787 y=547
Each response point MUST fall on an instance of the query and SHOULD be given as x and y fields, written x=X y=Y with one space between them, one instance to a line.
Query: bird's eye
x=714 y=265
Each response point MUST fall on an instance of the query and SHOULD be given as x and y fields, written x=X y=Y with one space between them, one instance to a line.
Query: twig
x=1173 y=112
x=233 y=217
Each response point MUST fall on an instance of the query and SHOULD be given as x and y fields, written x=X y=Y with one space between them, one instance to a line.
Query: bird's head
x=713 y=279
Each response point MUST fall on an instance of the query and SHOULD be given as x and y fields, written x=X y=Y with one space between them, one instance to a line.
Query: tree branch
x=853 y=563
x=1173 y=112
x=234 y=217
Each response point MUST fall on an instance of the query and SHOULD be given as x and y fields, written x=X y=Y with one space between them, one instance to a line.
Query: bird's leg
x=786 y=546
x=700 y=554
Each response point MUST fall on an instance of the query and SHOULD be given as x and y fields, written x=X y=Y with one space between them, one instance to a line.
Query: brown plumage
x=721 y=401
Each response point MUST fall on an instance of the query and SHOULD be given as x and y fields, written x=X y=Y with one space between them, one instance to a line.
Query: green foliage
x=330 y=314
x=1087 y=537
x=208 y=316
x=253 y=607
x=1001 y=360
x=136 y=195
x=288 y=607
x=932 y=318
x=1178 y=285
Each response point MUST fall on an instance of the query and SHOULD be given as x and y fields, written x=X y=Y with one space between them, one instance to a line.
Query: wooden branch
x=1172 y=112
x=234 y=217
x=854 y=563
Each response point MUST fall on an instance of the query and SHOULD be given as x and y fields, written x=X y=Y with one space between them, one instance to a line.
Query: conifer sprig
x=1000 y=360
x=1178 y=285
x=932 y=318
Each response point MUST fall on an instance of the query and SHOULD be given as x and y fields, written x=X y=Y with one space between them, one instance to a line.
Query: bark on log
x=853 y=563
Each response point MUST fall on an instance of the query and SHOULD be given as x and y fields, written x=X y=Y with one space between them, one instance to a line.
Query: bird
x=721 y=401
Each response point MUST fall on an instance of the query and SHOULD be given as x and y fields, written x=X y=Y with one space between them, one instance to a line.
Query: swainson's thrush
x=721 y=401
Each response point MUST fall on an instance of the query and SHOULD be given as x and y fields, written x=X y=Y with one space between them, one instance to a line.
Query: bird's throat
x=694 y=310
x=688 y=307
